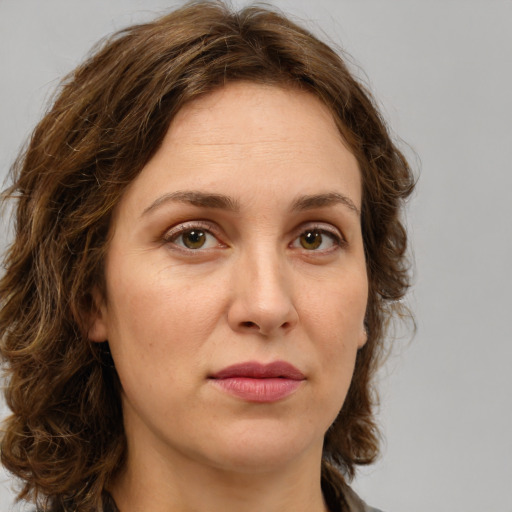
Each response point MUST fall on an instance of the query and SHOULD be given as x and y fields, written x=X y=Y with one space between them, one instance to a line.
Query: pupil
x=194 y=239
x=311 y=240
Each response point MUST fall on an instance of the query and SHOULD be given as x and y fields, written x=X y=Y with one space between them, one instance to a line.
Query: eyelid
x=170 y=234
x=322 y=227
x=174 y=232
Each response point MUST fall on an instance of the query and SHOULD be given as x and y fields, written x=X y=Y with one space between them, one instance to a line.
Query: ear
x=98 y=331
x=363 y=337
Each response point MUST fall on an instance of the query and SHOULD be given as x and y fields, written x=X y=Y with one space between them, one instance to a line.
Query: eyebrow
x=223 y=202
x=195 y=198
x=310 y=202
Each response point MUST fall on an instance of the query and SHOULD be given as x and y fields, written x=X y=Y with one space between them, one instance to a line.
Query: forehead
x=246 y=113
x=272 y=138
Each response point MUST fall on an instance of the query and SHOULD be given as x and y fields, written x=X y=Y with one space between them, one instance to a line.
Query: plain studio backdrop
x=442 y=73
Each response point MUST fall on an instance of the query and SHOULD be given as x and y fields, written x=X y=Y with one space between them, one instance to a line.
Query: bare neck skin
x=162 y=483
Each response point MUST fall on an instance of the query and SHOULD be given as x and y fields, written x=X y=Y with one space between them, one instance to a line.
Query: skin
x=253 y=291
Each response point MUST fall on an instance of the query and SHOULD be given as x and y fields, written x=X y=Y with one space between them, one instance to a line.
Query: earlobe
x=97 y=330
x=363 y=337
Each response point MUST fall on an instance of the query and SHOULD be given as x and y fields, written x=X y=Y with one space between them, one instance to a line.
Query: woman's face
x=236 y=282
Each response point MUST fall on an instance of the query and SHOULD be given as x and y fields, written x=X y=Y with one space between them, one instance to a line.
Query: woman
x=207 y=250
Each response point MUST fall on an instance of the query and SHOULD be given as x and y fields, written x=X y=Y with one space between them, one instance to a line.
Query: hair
x=65 y=437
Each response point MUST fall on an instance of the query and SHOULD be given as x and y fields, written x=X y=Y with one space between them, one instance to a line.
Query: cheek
x=158 y=317
x=337 y=307
x=336 y=322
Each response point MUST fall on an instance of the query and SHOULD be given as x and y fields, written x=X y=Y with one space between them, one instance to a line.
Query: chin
x=265 y=449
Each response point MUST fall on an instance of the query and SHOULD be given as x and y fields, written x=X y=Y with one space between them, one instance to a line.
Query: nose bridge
x=263 y=300
x=267 y=277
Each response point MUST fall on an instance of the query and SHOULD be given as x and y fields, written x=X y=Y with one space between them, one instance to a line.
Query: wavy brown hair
x=65 y=438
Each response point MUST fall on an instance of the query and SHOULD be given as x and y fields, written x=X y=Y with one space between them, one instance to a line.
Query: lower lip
x=258 y=390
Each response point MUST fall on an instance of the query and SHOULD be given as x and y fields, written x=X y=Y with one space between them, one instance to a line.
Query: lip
x=255 y=382
x=255 y=370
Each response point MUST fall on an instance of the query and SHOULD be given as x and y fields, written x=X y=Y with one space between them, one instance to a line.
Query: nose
x=262 y=299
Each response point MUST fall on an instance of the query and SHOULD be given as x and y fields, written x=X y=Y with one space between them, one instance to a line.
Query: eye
x=317 y=239
x=192 y=237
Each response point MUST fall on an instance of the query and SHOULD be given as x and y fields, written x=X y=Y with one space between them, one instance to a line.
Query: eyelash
x=172 y=235
x=337 y=238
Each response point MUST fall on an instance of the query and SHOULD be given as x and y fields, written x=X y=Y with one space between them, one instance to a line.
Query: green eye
x=194 y=239
x=311 y=240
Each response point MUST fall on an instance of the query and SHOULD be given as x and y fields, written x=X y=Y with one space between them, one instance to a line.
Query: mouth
x=255 y=382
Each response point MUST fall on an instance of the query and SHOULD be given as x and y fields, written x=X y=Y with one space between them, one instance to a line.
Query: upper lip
x=255 y=370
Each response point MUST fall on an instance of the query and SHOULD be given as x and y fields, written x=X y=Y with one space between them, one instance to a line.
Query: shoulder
x=355 y=503
x=338 y=495
x=108 y=505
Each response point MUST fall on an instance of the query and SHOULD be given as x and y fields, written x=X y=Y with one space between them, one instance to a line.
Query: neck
x=153 y=482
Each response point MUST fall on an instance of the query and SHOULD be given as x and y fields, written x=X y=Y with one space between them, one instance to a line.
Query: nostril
x=253 y=325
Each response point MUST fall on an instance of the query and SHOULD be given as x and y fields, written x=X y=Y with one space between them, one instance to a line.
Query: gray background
x=442 y=72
